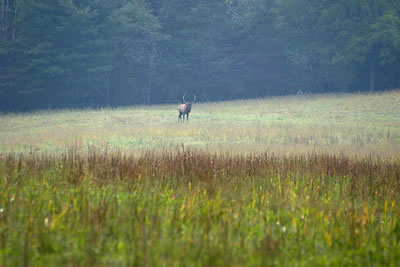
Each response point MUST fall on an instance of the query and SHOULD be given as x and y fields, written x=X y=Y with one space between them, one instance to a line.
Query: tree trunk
x=154 y=59
x=5 y=20
x=149 y=86
x=3 y=8
x=15 y=20
x=371 y=76
x=108 y=89
x=2 y=20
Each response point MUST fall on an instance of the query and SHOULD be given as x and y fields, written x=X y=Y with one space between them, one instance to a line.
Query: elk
x=185 y=108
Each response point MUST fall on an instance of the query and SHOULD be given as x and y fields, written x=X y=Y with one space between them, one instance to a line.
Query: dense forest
x=94 y=53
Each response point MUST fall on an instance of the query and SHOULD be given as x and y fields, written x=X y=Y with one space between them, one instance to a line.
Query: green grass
x=290 y=181
x=196 y=208
x=353 y=123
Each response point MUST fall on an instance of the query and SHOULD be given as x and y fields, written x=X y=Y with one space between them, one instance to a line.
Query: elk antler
x=183 y=98
x=194 y=98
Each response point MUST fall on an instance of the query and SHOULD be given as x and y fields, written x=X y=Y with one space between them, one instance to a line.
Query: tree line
x=94 y=53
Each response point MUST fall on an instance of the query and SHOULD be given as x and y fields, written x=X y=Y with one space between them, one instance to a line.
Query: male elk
x=185 y=108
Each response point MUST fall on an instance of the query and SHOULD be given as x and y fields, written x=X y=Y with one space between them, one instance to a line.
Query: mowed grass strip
x=351 y=123
x=189 y=207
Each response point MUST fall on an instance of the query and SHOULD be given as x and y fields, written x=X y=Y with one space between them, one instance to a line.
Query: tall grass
x=291 y=181
x=188 y=207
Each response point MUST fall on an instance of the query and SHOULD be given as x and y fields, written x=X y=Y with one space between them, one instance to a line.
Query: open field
x=332 y=123
x=292 y=181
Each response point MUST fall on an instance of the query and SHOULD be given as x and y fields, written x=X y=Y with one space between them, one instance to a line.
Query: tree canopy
x=70 y=53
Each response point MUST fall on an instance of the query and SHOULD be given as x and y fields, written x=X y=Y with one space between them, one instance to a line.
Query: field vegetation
x=289 y=181
x=351 y=123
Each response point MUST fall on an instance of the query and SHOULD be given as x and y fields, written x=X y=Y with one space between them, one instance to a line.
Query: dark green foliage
x=69 y=53
x=360 y=37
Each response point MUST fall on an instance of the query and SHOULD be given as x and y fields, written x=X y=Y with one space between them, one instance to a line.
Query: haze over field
x=290 y=157
x=351 y=123
x=77 y=54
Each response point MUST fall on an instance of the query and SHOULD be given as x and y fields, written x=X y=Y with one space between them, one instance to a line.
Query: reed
x=192 y=207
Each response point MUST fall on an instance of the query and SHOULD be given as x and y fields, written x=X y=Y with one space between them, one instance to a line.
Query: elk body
x=185 y=108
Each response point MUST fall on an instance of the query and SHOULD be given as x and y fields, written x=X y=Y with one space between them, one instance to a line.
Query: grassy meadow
x=287 y=181
x=331 y=123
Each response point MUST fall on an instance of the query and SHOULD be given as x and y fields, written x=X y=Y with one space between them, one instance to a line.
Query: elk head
x=185 y=108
